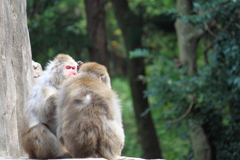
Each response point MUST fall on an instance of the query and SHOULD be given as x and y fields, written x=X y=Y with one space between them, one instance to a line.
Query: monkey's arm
x=49 y=102
x=50 y=105
x=41 y=105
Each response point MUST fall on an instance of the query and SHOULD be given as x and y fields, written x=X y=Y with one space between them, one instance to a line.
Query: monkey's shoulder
x=91 y=83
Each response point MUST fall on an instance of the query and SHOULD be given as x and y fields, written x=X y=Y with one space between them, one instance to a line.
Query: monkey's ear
x=103 y=78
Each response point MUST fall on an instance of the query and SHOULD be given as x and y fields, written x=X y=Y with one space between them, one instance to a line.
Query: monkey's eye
x=68 y=67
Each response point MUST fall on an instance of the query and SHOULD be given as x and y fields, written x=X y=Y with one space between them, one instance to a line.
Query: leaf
x=138 y=53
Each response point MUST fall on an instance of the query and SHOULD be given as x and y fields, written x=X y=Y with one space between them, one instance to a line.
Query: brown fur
x=40 y=142
x=39 y=133
x=90 y=115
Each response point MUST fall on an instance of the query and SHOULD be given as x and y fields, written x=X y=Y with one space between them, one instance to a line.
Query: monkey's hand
x=79 y=64
x=50 y=106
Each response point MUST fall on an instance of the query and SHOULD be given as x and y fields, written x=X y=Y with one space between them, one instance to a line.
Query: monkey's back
x=87 y=119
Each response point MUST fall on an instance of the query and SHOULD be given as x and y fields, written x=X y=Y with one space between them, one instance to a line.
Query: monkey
x=37 y=70
x=38 y=137
x=89 y=115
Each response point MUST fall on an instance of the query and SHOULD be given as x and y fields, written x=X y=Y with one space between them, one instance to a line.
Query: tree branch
x=185 y=114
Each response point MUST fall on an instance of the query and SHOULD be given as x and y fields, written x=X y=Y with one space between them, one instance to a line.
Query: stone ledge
x=120 y=158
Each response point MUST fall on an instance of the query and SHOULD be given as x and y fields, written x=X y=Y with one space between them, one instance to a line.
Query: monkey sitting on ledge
x=89 y=115
x=39 y=133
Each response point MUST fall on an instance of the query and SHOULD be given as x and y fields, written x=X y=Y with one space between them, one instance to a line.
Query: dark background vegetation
x=175 y=65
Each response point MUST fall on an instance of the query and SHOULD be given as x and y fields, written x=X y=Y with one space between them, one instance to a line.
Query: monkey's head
x=97 y=70
x=62 y=67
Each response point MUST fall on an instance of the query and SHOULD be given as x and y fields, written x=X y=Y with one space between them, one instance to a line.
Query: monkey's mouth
x=79 y=64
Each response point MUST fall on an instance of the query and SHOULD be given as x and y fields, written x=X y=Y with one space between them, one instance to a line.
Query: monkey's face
x=70 y=69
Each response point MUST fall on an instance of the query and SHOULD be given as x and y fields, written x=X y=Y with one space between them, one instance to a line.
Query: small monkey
x=39 y=133
x=89 y=115
x=37 y=70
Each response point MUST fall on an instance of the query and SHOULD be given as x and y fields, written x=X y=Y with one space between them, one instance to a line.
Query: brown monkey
x=39 y=134
x=89 y=115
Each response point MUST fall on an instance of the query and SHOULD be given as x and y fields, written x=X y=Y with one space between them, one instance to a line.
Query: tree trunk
x=188 y=37
x=200 y=144
x=187 y=44
x=131 y=27
x=16 y=74
x=97 y=31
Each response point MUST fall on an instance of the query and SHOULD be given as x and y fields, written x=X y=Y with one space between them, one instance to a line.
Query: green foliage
x=151 y=7
x=167 y=136
x=161 y=14
x=57 y=27
x=166 y=91
x=216 y=87
x=60 y=26
x=223 y=81
x=138 y=53
x=114 y=34
x=217 y=10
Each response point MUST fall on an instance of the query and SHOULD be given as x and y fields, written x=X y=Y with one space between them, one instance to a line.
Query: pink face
x=70 y=69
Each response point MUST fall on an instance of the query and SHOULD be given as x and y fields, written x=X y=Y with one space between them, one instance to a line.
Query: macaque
x=39 y=133
x=37 y=70
x=89 y=115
